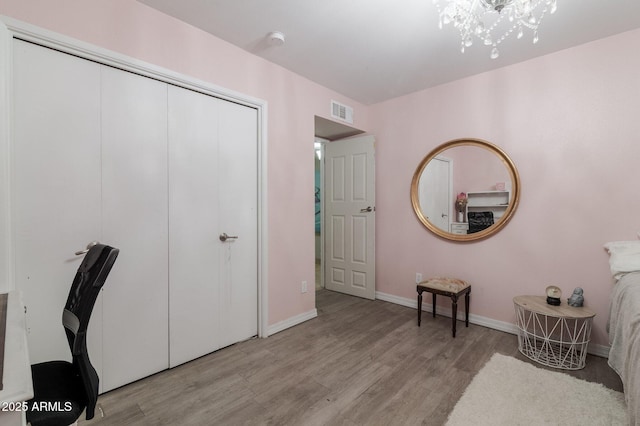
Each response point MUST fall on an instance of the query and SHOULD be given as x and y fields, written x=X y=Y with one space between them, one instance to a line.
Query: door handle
x=91 y=244
x=224 y=237
x=367 y=210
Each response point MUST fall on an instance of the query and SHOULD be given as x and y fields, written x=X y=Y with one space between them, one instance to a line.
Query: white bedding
x=624 y=337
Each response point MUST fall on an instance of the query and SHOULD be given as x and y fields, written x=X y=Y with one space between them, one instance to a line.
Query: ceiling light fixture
x=492 y=21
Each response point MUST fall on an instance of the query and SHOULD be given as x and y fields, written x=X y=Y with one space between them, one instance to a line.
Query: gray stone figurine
x=576 y=298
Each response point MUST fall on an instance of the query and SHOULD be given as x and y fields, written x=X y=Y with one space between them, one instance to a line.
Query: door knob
x=367 y=210
x=225 y=237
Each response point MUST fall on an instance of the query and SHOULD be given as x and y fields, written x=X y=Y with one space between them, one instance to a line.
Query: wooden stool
x=451 y=287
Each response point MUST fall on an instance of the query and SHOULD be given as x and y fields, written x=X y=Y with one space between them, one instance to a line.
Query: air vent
x=341 y=112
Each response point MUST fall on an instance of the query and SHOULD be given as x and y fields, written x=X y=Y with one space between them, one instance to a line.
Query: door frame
x=11 y=28
x=323 y=142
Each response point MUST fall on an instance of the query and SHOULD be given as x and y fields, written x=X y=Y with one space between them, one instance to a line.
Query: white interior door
x=212 y=192
x=56 y=173
x=193 y=224
x=434 y=192
x=238 y=177
x=350 y=216
x=135 y=220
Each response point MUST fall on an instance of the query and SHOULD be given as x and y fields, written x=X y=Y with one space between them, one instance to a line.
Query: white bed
x=624 y=337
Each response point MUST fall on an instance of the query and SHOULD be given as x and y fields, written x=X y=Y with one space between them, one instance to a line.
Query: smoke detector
x=275 y=38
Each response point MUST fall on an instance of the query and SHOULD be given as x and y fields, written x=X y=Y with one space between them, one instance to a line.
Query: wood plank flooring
x=359 y=362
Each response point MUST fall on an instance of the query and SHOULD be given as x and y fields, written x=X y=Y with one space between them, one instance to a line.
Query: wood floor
x=359 y=362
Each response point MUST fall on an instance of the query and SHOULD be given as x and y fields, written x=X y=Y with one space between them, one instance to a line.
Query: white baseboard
x=599 y=350
x=290 y=322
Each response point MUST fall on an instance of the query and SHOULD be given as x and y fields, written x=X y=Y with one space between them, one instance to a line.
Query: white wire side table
x=554 y=336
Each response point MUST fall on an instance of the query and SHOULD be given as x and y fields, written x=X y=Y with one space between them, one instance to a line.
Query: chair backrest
x=89 y=279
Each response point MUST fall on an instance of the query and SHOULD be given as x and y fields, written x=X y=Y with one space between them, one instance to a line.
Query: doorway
x=327 y=132
x=318 y=147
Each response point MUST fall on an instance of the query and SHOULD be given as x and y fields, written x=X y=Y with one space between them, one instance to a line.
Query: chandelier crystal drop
x=492 y=21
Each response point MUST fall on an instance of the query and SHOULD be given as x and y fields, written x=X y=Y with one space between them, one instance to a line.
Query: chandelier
x=492 y=21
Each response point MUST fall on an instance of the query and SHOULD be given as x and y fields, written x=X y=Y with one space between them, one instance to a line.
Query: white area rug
x=508 y=391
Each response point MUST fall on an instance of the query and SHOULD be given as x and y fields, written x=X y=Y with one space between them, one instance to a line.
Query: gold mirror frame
x=510 y=210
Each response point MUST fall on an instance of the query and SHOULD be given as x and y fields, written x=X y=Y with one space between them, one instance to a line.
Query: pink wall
x=476 y=169
x=570 y=123
x=133 y=29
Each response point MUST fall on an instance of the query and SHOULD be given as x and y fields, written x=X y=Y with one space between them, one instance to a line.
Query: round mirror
x=465 y=190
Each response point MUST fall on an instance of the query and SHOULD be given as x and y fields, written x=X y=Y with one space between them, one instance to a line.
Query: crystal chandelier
x=492 y=21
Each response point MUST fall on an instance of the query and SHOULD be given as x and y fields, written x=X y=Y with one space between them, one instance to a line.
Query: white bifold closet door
x=90 y=163
x=212 y=191
x=56 y=197
x=238 y=172
x=159 y=172
x=134 y=219
x=193 y=243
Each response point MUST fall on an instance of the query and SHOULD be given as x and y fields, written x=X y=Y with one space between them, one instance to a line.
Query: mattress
x=624 y=338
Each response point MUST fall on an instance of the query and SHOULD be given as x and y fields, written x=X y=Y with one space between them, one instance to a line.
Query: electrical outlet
x=303 y=288
x=418 y=277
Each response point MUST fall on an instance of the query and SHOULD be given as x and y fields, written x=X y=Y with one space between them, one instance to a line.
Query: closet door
x=135 y=220
x=238 y=197
x=92 y=161
x=193 y=224
x=212 y=191
x=56 y=172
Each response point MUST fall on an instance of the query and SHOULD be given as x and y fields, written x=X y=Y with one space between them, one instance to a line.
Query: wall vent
x=341 y=112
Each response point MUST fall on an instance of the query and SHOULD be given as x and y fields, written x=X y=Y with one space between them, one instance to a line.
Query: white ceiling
x=374 y=50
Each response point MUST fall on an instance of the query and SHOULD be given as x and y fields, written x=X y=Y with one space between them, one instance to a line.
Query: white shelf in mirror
x=493 y=201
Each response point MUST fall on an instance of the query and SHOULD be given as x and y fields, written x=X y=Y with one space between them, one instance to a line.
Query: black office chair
x=62 y=390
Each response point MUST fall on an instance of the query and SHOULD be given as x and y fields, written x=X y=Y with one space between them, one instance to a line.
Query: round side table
x=555 y=336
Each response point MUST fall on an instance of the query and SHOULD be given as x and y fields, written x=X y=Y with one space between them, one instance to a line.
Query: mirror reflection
x=465 y=189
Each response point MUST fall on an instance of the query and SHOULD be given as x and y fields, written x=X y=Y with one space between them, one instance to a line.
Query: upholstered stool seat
x=451 y=287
